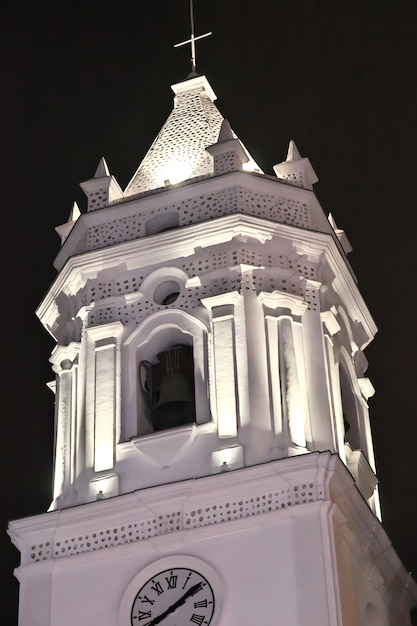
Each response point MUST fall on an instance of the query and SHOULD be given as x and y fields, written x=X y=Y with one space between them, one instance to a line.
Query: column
x=316 y=372
x=330 y=328
x=64 y=361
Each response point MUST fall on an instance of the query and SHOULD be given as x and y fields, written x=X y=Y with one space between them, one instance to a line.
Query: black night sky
x=85 y=79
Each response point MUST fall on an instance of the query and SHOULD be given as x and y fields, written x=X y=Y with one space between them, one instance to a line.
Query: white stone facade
x=265 y=296
x=294 y=534
x=246 y=272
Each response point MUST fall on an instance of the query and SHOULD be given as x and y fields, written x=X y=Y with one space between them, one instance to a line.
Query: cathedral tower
x=213 y=453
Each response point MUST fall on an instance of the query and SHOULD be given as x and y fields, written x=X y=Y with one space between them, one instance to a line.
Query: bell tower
x=213 y=452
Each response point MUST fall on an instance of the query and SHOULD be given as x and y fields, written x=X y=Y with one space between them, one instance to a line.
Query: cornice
x=206 y=506
x=130 y=206
x=165 y=246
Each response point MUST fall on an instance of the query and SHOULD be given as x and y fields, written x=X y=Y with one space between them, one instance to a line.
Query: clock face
x=177 y=596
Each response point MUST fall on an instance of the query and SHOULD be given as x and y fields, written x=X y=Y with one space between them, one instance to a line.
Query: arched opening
x=168 y=387
x=151 y=344
x=350 y=411
x=160 y=223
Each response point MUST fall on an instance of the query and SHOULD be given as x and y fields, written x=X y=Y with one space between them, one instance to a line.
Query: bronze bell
x=168 y=387
x=175 y=406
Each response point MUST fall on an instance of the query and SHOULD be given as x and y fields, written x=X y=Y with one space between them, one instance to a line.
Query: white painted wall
x=291 y=540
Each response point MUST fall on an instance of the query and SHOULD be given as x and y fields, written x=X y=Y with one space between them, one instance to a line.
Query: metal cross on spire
x=192 y=40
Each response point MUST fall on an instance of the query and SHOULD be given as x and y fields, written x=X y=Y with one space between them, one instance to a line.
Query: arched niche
x=351 y=414
x=160 y=223
x=351 y=404
x=158 y=333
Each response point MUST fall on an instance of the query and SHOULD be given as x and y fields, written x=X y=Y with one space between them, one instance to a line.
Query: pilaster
x=103 y=397
x=288 y=392
x=226 y=358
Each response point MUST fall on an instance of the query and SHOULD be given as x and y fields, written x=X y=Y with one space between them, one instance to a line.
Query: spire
x=102 y=169
x=102 y=189
x=64 y=229
x=293 y=154
x=296 y=169
x=226 y=132
x=179 y=150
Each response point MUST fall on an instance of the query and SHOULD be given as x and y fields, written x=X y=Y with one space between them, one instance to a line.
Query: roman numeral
x=146 y=599
x=172 y=581
x=144 y=615
x=186 y=580
x=197 y=619
x=201 y=603
x=157 y=587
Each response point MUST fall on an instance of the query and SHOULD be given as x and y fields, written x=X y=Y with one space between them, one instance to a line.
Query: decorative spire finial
x=192 y=41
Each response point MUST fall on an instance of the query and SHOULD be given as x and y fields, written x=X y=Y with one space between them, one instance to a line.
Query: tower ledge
x=316 y=484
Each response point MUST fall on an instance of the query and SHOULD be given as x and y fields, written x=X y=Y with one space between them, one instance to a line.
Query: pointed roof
x=293 y=153
x=102 y=189
x=228 y=152
x=179 y=151
x=64 y=229
x=102 y=169
x=340 y=234
x=226 y=132
x=296 y=170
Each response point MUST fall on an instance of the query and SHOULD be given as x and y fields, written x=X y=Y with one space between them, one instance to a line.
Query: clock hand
x=191 y=592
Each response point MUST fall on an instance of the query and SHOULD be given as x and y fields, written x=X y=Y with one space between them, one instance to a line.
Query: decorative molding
x=234 y=192
x=105 y=331
x=219 y=231
x=199 y=82
x=222 y=299
x=279 y=488
x=60 y=354
x=329 y=320
x=282 y=299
